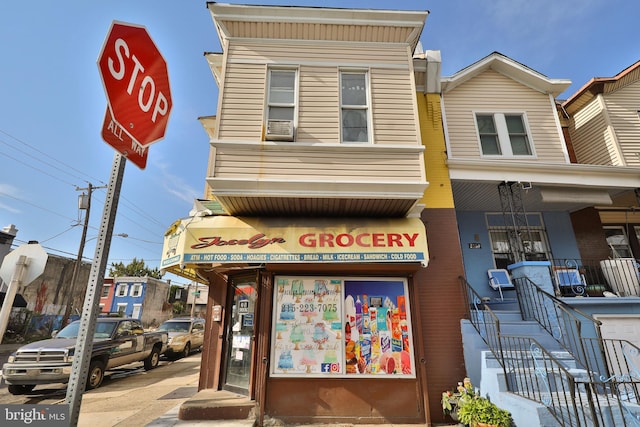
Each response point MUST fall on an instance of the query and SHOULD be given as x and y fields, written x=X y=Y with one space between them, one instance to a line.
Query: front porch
x=554 y=361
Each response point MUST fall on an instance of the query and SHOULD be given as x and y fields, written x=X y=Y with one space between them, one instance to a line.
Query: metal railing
x=597 y=381
x=588 y=277
x=564 y=323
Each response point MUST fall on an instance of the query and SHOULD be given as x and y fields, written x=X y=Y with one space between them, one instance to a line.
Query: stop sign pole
x=84 y=342
x=136 y=82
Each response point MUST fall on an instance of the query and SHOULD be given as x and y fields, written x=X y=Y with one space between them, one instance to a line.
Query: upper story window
x=503 y=134
x=136 y=290
x=354 y=105
x=281 y=104
x=105 y=291
x=121 y=290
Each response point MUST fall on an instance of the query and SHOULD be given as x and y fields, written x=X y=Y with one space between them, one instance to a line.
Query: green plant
x=454 y=398
x=482 y=410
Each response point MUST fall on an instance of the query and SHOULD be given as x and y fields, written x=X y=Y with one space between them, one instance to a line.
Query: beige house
x=605 y=119
x=317 y=168
x=310 y=90
x=507 y=153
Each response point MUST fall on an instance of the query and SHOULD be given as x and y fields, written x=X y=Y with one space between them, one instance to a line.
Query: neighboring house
x=106 y=295
x=517 y=195
x=143 y=298
x=524 y=206
x=197 y=296
x=604 y=129
x=49 y=294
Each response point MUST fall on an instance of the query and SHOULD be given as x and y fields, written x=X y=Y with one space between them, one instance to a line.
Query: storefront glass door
x=240 y=336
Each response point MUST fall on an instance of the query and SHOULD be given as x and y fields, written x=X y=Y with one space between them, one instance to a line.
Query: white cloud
x=11 y=191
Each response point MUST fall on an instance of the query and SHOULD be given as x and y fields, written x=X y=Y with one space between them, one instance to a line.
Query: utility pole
x=84 y=203
x=195 y=296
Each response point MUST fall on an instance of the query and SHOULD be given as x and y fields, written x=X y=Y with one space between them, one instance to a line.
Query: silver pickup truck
x=117 y=341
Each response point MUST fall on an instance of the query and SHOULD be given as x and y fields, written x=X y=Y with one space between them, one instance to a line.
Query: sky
x=52 y=101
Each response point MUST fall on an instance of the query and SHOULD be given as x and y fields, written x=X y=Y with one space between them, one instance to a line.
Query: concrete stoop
x=217 y=405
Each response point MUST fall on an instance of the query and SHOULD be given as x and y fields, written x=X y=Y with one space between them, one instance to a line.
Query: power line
x=35 y=206
x=39 y=170
x=47 y=156
x=128 y=204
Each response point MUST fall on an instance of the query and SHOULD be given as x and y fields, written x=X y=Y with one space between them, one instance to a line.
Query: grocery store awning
x=211 y=241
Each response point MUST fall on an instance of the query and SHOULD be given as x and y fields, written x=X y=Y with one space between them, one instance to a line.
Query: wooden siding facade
x=623 y=109
x=493 y=92
x=592 y=137
x=316 y=163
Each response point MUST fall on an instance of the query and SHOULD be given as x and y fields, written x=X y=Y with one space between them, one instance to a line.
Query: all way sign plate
x=115 y=136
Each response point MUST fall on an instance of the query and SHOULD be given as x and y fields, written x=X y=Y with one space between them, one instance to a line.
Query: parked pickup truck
x=117 y=341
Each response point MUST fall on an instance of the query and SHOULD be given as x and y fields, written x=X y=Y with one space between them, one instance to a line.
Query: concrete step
x=211 y=404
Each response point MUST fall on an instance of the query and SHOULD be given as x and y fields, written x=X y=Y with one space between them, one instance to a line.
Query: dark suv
x=185 y=334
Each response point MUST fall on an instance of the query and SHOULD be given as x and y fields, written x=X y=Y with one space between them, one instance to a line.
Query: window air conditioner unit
x=279 y=130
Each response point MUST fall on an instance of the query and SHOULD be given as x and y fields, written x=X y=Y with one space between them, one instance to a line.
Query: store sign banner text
x=255 y=242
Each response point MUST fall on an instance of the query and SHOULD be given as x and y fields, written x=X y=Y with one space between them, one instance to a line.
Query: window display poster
x=307 y=326
x=377 y=333
x=341 y=327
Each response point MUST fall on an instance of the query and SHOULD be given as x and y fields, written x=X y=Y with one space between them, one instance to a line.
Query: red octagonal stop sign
x=136 y=82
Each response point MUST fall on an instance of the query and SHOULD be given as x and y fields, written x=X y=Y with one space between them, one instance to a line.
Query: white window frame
x=105 y=287
x=122 y=307
x=135 y=290
x=139 y=313
x=366 y=107
x=118 y=292
x=292 y=105
x=504 y=140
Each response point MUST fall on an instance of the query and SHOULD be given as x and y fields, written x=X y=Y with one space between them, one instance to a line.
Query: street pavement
x=153 y=399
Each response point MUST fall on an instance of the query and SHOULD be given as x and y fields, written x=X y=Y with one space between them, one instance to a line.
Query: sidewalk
x=170 y=418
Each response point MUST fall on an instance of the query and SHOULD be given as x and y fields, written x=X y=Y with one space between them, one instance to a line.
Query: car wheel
x=187 y=350
x=153 y=359
x=20 y=389
x=96 y=374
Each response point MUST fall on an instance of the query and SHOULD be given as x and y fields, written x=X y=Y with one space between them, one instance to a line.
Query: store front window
x=341 y=327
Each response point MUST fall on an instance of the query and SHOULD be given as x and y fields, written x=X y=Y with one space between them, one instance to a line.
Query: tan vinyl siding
x=295 y=53
x=393 y=100
x=243 y=102
x=301 y=163
x=623 y=106
x=591 y=138
x=392 y=95
x=319 y=31
x=494 y=92
x=319 y=108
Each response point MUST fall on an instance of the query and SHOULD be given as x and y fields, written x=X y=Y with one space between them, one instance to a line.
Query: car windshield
x=175 y=326
x=103 y=330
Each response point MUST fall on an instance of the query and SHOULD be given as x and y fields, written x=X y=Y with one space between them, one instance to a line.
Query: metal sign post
x=84 y=344
x=18 y=274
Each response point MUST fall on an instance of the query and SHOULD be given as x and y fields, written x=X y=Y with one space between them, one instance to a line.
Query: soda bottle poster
x=377 y=328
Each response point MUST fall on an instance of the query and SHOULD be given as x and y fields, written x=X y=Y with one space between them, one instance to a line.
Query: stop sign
x=136 y=82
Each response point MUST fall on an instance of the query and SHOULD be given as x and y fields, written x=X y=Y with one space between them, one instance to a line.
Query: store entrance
x=240 y=335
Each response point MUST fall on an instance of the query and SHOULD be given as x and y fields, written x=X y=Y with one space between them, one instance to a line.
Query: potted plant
x=453 y=399
x=481 y=412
